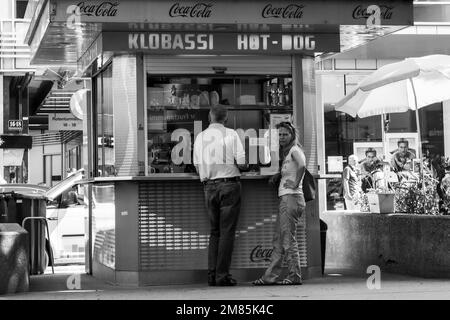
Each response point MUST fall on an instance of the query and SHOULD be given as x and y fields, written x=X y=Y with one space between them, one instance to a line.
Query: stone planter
x=409 y=244
x=381 y=202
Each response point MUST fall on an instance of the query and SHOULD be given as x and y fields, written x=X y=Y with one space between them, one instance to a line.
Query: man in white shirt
x=218 y=156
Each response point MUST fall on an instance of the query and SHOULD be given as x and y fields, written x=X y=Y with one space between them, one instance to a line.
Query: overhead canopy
x=431 y=30
x=57 y=35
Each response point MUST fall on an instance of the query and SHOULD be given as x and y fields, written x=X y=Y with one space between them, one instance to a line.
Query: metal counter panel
x=103 y=224
x=174 y=226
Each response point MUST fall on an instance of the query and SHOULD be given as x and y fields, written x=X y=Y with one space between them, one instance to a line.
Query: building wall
x=14 y=57
x=14 y=53
x=36 y=166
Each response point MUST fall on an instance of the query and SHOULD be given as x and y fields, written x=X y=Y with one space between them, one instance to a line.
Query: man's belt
x=232 y=179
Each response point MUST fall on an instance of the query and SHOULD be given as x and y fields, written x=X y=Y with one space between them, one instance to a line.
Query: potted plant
x=418 y=196
x=381 y=194
x=381 y=201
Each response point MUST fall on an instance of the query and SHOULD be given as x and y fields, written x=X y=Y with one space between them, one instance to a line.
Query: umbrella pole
x=419 y=151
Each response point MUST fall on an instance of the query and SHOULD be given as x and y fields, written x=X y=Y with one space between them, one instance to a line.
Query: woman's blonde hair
x=290 y=127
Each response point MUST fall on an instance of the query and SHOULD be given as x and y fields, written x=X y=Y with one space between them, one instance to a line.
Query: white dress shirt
x=216 y=152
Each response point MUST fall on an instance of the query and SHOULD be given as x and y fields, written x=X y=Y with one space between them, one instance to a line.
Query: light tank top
x=289 y=172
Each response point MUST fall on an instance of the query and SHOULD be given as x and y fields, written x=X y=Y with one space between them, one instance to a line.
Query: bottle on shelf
x=280 y=95
x=287 y=94
x=268 y=95
x=273 y=95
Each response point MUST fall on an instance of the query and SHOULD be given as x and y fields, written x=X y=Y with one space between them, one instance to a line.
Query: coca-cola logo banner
x=98 y=9
x=291 y=11
x=197 y=10
x=270 y=14
x=361 y=12
x=259 y=253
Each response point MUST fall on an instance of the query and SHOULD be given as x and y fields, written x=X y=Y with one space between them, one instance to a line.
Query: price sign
x=15 y=125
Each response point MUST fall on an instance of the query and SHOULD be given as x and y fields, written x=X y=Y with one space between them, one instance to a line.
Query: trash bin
x=14 y=208
x=323 y=241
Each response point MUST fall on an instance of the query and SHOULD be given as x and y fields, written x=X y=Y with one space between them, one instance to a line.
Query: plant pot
x=381 y=202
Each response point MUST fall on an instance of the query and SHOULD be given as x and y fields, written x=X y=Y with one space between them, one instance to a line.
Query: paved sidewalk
x=352 y=287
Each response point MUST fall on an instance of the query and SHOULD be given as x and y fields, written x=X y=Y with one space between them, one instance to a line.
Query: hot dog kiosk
x=156 y=68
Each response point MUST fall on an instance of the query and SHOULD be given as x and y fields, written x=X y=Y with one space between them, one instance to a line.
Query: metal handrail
x=48 y=235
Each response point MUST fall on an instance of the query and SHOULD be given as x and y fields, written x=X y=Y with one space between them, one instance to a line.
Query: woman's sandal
x=262 y=282
x=289 y=282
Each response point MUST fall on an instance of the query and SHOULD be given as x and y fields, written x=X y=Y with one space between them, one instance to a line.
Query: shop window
x=105 y=123
x=345 y=135
x=21 y=8
x=431 y=124
x=178 y=108
x=73 y=158
x=52 y=169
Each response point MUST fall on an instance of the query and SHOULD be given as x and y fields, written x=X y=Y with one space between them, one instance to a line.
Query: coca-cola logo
x=104 y=9
x=259 y=254
x=198 y=10
x=291 y=11
x=361 y=13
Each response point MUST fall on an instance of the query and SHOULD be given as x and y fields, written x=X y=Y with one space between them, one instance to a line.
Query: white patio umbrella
x=398 y=87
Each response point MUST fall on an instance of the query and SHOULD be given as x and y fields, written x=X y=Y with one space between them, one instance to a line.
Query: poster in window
x=401 y=141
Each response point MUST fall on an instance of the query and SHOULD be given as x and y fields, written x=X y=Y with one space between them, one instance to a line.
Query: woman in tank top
x=291 y=207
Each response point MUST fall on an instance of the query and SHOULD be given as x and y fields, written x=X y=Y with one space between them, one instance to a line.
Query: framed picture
x=360 y=148
x=335 y=163
x=416 y=165
x=394 y=140
x=276 y=118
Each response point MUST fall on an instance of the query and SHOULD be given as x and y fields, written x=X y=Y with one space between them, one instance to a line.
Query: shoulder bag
x=309 y=186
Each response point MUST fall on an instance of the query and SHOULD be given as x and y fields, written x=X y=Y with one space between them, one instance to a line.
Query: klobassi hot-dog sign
x=215 y=43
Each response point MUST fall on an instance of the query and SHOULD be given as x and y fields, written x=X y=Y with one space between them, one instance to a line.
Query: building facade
x=338 y=74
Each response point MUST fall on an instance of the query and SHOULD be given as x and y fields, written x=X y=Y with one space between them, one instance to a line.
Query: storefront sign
x=78 y=103
x=15 y=142
x=329 y=12
x=220 y=43
x=15 y=125
x=91 y=54
x=62 y=122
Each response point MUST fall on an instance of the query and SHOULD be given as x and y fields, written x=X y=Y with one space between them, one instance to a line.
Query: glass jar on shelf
x=280 y=95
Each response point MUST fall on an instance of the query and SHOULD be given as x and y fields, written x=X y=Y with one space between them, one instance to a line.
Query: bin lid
x=22 y=190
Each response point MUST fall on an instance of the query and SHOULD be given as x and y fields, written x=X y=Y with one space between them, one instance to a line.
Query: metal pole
x=419 y=151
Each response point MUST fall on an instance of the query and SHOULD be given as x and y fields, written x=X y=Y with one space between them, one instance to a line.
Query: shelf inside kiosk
x=178 y=109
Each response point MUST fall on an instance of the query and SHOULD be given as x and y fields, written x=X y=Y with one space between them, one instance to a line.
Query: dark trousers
x=223 y=202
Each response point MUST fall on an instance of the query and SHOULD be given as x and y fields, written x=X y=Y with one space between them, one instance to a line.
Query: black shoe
x=211 y=279
x=211 y=282
x=227 y=282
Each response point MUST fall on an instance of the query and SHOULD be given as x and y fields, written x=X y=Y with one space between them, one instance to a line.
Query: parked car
x=66 y=216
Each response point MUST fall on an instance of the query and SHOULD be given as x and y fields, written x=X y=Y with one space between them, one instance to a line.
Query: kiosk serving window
x=178 y=108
